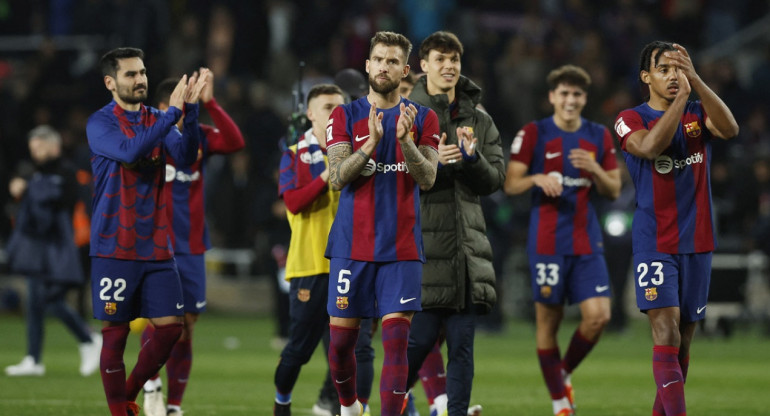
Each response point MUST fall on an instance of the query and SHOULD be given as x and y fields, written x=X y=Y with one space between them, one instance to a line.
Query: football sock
x=432 y=374
x=152 y=356
x=657 y=407
x=149 y=329
x=578 y=349
x=342 y=362
x=113 y=369
x=669 y=379
x=550 y=365
x=395 y=367
x=178 y=370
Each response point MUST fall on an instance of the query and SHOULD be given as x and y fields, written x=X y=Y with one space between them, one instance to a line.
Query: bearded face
x=382 y=83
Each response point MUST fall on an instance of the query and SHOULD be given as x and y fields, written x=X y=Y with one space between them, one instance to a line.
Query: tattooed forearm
x=344 y=166
x=421 y=163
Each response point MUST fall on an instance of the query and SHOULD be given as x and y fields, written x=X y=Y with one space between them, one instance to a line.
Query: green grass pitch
x=233 y=373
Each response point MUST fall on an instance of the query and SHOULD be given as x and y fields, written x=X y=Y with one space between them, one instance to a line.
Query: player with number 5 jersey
x=666 y=142
x=382 y=150
x=562 y=158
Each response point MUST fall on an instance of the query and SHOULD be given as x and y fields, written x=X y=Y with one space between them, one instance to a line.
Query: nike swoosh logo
x=200 y=304
x=180 y=305
x=182 y=380
x=549 y=155
x=701 y=309
x=342 y=381
x=403 y=301
x=358 y=139
x=110 y=371
x=670 y=383
x=600 y=289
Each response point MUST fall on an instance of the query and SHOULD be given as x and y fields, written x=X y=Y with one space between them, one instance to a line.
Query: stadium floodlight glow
x=616 y=223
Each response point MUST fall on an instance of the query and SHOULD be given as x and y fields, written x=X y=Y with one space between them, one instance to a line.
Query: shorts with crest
x=681 y=280
x=123 y=290
x=556 y=278
x=360 y=289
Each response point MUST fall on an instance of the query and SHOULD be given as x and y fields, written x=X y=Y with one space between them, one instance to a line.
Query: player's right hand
x=448 y=153
x=375 y=125
x=177 y=96
x=549 y=184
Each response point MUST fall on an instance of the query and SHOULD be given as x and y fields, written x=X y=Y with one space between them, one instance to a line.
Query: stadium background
x=49 y=52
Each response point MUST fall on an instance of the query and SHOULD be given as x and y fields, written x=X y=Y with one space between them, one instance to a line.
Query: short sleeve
x=430 y=130
x=336 y=128
x=628 y=122
x=523 y=145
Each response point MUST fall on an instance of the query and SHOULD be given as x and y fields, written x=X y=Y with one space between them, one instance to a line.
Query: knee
x=595 y=322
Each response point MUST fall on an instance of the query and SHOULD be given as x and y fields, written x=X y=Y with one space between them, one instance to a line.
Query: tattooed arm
x=344 y=166
x=421 y=163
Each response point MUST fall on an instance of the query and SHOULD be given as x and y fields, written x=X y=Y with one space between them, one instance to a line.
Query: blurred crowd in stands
x=49 y=50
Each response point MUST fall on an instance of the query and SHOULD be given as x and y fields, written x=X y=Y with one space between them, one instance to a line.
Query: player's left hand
x=682 y=60
x=405 y=121
x=208 y=90
x=583 y=159
x=467 y=141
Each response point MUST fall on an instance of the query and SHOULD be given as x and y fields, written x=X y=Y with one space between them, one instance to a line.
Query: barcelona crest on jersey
x=342 y=302
x=692 y=129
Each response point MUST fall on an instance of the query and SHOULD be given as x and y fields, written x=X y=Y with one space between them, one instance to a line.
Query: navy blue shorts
x=360 y=289
x=664 y=280
x=556 y=278
x=192 y=273
x=123 y=290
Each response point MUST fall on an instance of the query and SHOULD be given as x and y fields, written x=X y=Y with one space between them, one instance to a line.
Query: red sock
x=395 y=366
x=432 y=374
x=152 y=356
x=149 y=330
x=578 y=349
x=657 y=407
x=178 y=371
x=669 y=379
x=550 y=365
x=342 y=362
x=113 y=369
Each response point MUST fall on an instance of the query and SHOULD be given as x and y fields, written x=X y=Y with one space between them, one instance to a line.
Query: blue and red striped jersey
x=673 y=191
x=378 y=218
x=184 y=183
x=565 y=225
x=128 y=153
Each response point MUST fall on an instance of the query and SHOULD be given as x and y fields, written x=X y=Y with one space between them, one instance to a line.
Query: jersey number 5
x=656 y=280
x=344 y=282
x=108 y=284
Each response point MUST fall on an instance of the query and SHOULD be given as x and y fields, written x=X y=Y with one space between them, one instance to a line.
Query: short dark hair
x=570 y=75
x=109 y=62
x=164 y=89
x=441 y=41
x=392 y=39
x=647 y=54
x=324 y=89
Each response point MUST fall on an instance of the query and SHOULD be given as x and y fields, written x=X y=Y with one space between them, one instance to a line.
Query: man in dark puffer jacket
x=458 y=279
